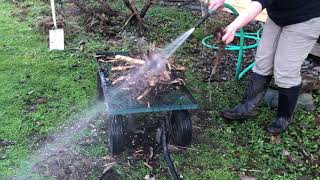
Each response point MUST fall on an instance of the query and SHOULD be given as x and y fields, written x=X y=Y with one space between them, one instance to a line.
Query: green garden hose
x=242 y=35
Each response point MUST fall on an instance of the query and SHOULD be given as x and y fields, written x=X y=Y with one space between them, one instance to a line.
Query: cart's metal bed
x=119 y=103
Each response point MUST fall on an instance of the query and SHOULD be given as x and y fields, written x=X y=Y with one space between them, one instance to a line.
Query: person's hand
x=216 y=4
x=243 y=19
x=229 y=33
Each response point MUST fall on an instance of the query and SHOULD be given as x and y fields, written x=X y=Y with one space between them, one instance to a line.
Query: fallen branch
x=126 y=23
x=176 y=81
x=121 y=78
x=151 y=152
x=129 y=60
x=122 y=68
x=145 y=93
x=179 y=148
x=220 y=54
x=108 y=166
x=146 y=164
x=178 y=68
x=153 y=77
x=107 y=61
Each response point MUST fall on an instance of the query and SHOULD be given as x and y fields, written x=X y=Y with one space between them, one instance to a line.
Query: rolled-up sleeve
x=264 y=3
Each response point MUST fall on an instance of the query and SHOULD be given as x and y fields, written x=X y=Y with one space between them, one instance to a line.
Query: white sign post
x=56 y=36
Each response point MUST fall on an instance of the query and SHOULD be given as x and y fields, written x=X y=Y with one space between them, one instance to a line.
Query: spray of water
x=155 y=63
x=158 y=59
x=171 y=48
x=63 y=141
x=66 y=138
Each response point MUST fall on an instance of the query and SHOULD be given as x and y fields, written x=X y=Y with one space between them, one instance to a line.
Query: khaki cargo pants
x=282 y=50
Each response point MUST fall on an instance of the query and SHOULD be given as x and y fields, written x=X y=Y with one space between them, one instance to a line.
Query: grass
x=40 y=90
x=234 y=149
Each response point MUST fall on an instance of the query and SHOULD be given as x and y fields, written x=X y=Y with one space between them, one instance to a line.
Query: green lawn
x=40 y=90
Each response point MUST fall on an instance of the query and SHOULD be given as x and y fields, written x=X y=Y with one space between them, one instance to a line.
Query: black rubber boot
x=287 y=102
x=254 y=94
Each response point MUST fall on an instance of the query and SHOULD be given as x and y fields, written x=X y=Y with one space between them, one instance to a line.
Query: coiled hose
x=241 y=47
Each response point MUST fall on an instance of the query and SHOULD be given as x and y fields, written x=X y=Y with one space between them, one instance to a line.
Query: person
x=289 y=34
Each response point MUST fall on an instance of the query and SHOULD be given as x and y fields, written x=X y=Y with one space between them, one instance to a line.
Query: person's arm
x=243 y=19
x=216 y=4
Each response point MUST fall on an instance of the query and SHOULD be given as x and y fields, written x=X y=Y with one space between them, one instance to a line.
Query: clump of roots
x=145 y=73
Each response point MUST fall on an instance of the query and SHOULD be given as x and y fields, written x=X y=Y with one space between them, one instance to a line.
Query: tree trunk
x=130 y=4
x=105 y=8
x=146 y=6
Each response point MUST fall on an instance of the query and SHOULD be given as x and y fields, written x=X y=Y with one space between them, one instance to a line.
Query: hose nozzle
x=201 y=21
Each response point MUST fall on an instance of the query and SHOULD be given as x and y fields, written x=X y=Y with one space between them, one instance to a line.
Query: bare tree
x=103 y=13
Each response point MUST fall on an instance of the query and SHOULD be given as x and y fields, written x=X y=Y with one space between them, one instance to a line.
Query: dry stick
x=122 y=68
x=108 y=61
x=182 y=147
x=121 y=78
x=175 y=81
x=151 y=152
x=146 y=164
x=216 y=62
x=144 y=93
x=178 y=68
x=126 y=23
x=214 y=68
x=129 y=60
x=252 y=170
x=169 y=66
x=108 y=166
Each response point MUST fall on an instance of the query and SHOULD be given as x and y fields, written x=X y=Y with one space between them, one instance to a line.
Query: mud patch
x=67 y=164
x=142 y=144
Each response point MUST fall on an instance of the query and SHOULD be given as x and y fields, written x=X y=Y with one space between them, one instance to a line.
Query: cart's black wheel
x=116 y=134
x=181 y=125
x=100 y=95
